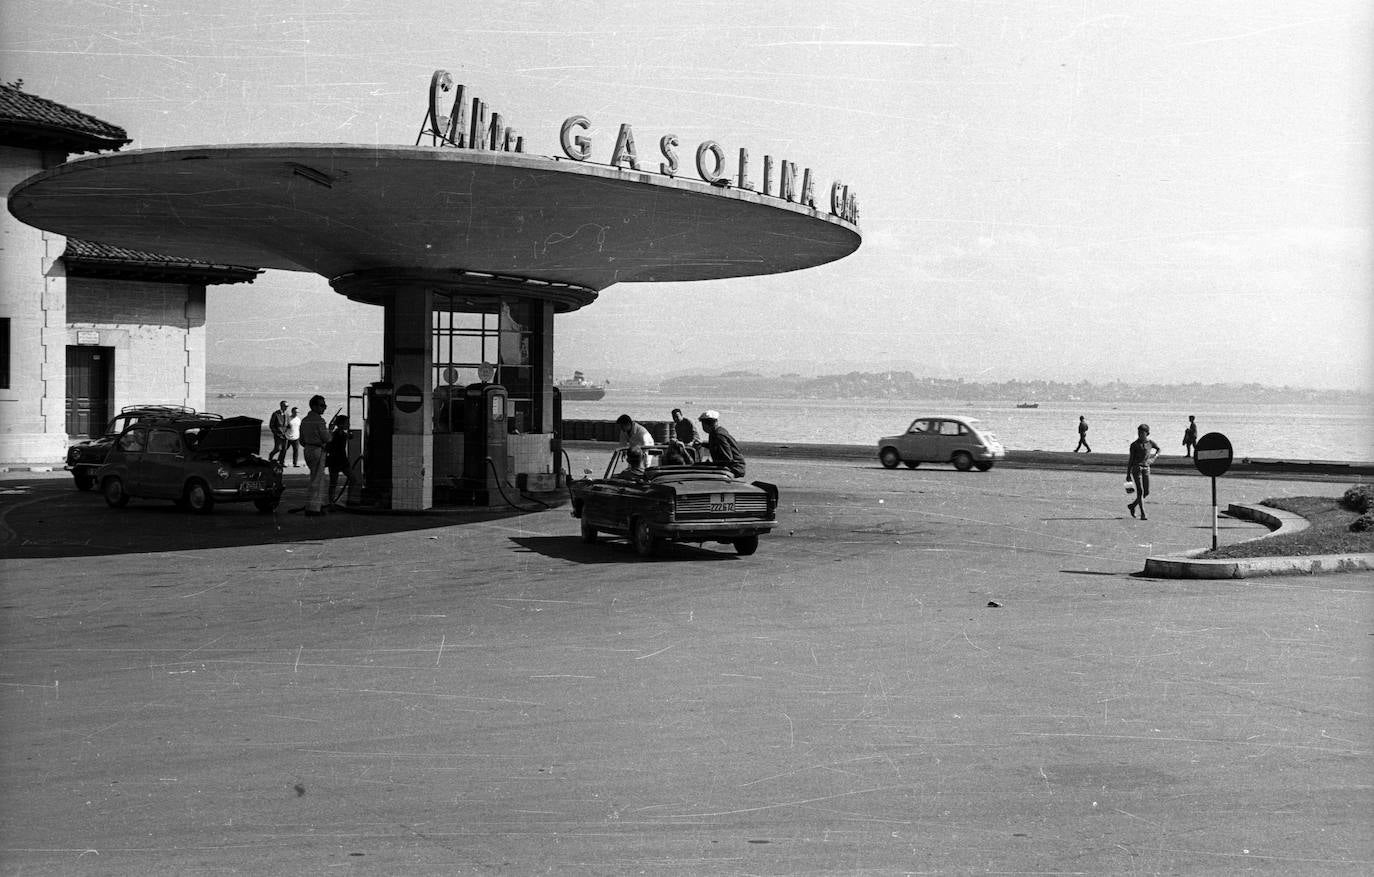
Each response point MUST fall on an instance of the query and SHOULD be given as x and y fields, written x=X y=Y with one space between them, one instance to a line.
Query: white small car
x=942 y=439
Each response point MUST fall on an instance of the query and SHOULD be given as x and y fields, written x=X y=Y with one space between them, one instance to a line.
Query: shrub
x=1363 y=522
x=1359 y=498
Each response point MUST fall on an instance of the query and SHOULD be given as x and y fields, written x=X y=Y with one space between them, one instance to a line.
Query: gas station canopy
x=340 y=210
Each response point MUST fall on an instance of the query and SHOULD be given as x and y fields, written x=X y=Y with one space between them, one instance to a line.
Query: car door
x=126 y=460
x=164 y=464
x=947 y=440
x=605 y=506
x=620 y=496
x=914 y=446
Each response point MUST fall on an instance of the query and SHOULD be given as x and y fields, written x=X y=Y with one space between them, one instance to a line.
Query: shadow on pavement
x=46 y=518
x=609 y=549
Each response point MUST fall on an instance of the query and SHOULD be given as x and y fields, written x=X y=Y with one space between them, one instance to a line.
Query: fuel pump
x=484 y=446
x=378 y=424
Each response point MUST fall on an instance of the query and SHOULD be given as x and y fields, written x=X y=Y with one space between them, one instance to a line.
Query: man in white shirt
x=632 y=435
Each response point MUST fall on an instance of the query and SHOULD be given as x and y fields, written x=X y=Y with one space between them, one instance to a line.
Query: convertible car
x=674 y=504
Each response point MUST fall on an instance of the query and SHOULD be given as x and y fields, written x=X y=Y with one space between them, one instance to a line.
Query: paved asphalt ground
x=483 y=693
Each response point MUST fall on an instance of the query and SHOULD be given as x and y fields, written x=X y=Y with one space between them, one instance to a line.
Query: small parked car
x=696 y=503
x=84 y=457
x=194 y=460
x=944 y=439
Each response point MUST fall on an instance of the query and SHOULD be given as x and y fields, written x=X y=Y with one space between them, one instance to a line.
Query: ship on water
x=580 y=389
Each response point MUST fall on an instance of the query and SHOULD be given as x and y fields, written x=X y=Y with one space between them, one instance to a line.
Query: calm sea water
x=1307 y=432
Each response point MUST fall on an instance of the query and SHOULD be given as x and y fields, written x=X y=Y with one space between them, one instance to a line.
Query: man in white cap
x=724 y=451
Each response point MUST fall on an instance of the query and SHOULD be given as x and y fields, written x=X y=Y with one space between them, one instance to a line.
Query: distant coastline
x=905 y=385
x=850 y=385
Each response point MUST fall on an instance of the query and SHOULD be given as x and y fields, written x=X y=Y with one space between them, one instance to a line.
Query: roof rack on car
x=181 y=416
x=157 y=409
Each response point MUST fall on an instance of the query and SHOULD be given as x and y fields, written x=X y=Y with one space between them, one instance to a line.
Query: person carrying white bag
x=1142 y=453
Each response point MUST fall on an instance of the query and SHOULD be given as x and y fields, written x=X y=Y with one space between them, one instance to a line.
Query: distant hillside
x=246 y=378
x=905 y=385
x=890 y=384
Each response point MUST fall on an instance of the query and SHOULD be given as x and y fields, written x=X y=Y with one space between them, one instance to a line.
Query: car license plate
x=722 y=502
x=250 y=487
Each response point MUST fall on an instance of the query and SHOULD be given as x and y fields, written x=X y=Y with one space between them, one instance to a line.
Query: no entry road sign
x=1212 y=456
x=409 y=398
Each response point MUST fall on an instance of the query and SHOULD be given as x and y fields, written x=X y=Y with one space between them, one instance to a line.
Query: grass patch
x=1330 y=532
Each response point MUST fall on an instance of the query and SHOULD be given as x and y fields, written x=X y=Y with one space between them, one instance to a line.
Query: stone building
x=85 y=328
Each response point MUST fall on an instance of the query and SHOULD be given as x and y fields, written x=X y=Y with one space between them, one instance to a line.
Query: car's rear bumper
x=692 y=530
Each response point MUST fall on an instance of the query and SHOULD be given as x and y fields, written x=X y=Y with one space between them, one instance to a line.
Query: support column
x=541 y=361
x=408 y=349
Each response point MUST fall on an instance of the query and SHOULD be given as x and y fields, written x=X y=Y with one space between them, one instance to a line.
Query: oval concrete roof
x=336 y=209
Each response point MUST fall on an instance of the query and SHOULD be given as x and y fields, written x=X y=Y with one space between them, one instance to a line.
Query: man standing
x=315 y=438
x=1141 y=454
x=1189 y=437
x=277 y=424
x=1082 y=435
x=724 y=451
x=632 y=435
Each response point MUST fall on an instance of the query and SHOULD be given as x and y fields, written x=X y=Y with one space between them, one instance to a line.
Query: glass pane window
x=164 y=441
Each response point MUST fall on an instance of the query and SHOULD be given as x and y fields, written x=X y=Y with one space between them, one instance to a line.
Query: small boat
x=580 y=389
x=1027 y=404
x=225 y=395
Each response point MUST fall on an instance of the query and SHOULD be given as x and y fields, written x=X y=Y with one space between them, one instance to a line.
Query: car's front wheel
x=963 y=461
x=643 y=538
x=84 y=480
x=889 y=457
x=983 y=465
x=588 y=531
x=198 y=498
x=115 y=495
x=747 y=545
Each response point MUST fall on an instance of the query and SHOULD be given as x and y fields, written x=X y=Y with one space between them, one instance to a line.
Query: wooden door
x=90 y=389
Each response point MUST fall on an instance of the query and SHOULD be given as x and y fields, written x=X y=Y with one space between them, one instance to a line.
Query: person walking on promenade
x=1083 y=435
x=1141 y=454
x=724 y=450
x=1189 y=437
x=314 y=435
x=336 y=456
x=293 y=438
x=277 y=424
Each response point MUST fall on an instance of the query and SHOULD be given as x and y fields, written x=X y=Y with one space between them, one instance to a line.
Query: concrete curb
x=1188 y=566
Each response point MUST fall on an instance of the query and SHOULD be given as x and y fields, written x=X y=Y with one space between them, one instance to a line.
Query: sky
x=1160 y=192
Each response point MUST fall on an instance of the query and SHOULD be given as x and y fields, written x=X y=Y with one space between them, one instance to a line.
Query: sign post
x=1212 y=457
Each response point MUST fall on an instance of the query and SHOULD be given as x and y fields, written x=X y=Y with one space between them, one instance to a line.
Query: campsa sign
x=454 y=120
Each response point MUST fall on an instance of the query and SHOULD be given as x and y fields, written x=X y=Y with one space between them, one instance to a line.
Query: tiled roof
x=91 y=259
x=29 y=120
